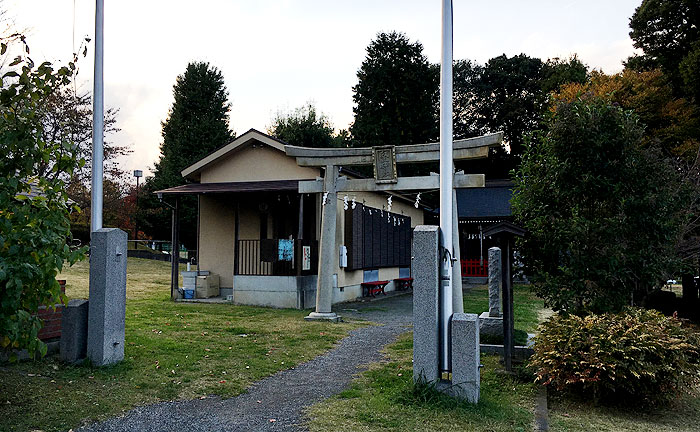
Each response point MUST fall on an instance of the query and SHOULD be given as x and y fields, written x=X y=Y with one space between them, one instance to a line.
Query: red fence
x=475 y=268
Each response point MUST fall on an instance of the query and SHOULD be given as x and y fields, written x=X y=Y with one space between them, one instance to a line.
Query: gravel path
x=276 y=402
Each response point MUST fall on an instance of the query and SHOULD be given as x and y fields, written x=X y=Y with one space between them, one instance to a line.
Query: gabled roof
x=252 y=186
x=505 y=228
x=492 y=201
x=241 y=141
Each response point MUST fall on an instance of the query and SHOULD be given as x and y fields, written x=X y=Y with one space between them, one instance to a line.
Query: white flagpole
x=98 y=121
x=446 y=177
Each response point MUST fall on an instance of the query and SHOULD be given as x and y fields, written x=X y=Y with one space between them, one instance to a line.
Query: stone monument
x=491 y=322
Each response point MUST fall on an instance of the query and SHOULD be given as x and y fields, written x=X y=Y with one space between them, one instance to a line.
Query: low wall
x=353 y=292
x=52 y=321
x=51 y=317
x=297 y=292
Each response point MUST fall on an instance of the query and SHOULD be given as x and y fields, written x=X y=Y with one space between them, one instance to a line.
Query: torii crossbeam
x=384 y=159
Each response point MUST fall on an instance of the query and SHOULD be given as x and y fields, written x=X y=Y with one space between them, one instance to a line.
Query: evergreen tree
x=396 y=97
x=197 y=124
x=668 y=31
x=507 y=94
x=603 y=214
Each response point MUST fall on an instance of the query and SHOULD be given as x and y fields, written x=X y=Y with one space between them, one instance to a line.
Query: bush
x=34 y=208
x=636 y=353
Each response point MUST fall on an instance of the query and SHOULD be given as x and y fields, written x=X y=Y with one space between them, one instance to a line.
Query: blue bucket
x=188 y=293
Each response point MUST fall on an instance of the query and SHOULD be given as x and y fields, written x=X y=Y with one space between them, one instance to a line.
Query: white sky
x=277 y=54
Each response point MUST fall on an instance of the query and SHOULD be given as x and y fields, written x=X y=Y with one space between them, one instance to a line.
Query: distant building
x=479 y=208
x=260 y=236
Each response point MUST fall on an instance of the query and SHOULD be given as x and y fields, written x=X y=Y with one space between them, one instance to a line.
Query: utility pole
x=446 y=179
x=98 y=121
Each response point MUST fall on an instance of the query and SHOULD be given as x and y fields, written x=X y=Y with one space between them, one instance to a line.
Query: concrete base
x=490 y=326
x=74 y=326
x=520 y=353
x=107 y=306
x=319 y=316
x=273 y=291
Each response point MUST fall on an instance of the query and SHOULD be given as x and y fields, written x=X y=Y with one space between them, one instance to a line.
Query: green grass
x=570 y=415
x=526 y=305
x=172 y=351
x=383 y=399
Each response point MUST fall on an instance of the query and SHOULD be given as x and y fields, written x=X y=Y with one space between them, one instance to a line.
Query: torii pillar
x=327 y=248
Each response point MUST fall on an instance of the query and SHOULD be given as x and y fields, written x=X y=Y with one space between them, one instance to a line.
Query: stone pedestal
x=426 y=277
x=490 y=326
x=466 y=382
x=107 y=307
x=495 y=282
x=74 y=331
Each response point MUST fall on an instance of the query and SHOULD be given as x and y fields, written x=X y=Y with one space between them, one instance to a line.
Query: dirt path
x=276 y=402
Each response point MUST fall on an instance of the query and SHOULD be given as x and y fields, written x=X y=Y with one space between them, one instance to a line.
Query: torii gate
x=384 y=159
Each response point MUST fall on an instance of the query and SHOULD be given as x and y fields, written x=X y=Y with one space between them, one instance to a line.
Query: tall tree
x=668 y=32
x=304 y=127
x=197 y=123
x=508 y=94
x=671 y=123
x=396 y=95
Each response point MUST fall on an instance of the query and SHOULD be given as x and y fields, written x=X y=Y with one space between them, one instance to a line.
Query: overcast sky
x=278 y=54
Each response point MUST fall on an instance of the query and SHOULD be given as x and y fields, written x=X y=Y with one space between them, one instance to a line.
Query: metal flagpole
x=446 y=177
x=97 y=121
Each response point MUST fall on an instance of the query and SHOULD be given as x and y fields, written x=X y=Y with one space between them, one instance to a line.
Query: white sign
x=306 y=257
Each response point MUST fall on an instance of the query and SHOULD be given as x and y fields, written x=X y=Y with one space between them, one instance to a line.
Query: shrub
x=636 y=353
x=34 y=208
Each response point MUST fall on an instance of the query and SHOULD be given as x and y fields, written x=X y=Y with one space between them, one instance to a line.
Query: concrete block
x=207 y=286
x=490 y=326
x=426 y=278
x=107 y=307
x=74 y=331
x=466 y=382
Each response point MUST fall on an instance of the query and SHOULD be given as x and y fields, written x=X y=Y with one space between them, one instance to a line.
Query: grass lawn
x=381 y=399
x=527 y=309
x=173 y=351
x=568 y=415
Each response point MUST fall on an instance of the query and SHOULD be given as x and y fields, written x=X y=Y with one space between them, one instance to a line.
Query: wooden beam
x=470 y=148
x=403 y=184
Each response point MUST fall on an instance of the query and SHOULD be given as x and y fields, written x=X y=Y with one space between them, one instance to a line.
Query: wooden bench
x=403 y=284
x=370 y=289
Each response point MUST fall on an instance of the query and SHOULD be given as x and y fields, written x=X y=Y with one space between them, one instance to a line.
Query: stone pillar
x=466 y=382
x=425 y=265
x=328 y=253
x=107 y=306
x=74 y=331
x=494 y=282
